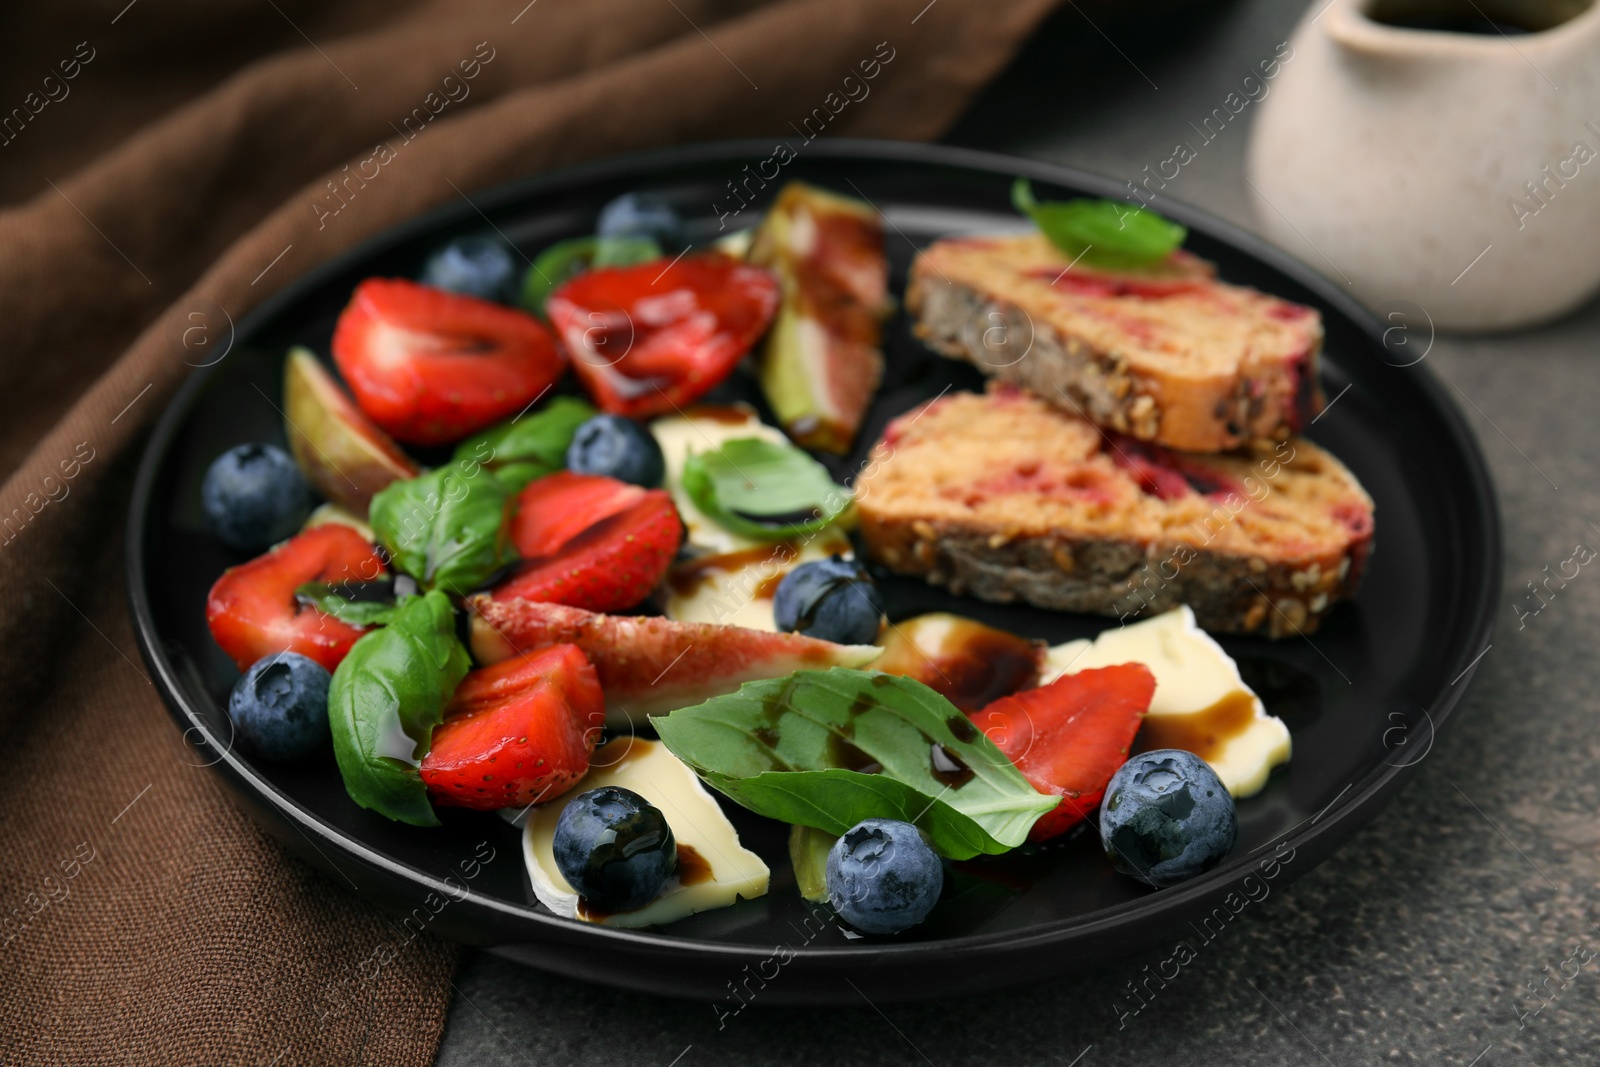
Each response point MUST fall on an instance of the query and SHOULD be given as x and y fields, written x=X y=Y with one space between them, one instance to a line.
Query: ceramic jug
x=1423 y=155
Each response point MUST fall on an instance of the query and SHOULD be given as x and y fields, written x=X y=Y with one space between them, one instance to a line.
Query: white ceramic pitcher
x=1458 y=171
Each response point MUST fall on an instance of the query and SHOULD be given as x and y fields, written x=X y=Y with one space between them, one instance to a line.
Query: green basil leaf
x=446 y=528
x=827 y=749
x=808 y=855
x=567 y=259
x=342 y=603
x=528 y=447
x=763 y=490
x=555 y=265
x=386 y=697
x=625 y=251
x=1101 y=233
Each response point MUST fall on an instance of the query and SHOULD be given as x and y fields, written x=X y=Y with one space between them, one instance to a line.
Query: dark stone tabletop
x=1457 y=927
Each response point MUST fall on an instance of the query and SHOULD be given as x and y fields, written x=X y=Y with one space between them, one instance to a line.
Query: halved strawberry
x=1069 y=737
x=517 y=733
x=605 y=565
x=651 y=338
x=649 y=664
x=431 y=367
x=252 y=609
x=558 y=507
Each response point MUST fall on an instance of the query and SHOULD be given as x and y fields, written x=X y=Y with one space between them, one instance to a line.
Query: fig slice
x=341 y=452
x=822 y=363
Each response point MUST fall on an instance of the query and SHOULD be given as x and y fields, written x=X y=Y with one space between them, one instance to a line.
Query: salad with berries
x=603 y=608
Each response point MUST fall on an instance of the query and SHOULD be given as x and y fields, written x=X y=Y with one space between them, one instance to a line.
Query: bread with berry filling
x=1165 y=353
x=1006 y=498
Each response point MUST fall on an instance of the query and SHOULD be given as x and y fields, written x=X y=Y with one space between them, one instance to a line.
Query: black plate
x=1363 y=697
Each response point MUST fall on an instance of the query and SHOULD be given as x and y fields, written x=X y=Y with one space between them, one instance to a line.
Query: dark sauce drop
x=1204 y=733
x=731 y=414
x=782 y=518
x=687 y=577
x=948 y=768
x=693 y=868
x=962 y=729
x=841 y=753
x=966 y=662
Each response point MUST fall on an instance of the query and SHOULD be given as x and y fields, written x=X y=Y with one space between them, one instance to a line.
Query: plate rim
x=1350 y=810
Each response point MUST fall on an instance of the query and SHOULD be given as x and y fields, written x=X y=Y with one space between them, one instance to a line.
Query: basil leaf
x=529 y=447
x=763 y=490
x=344 y=603
x=567 y=259
x=386 y=697
x=446 y=528
x=827 y=749
x=625 y=251
x=1102 y=233
x=808 y=855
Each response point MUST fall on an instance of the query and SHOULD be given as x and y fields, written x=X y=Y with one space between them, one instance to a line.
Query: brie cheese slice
x=714 y=869
x=1201 y=703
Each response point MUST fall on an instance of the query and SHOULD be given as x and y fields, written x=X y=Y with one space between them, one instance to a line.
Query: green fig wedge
x=821 y=364
x=341 y=452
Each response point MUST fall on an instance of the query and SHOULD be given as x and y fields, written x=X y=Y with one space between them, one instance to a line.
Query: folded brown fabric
x=144 y=919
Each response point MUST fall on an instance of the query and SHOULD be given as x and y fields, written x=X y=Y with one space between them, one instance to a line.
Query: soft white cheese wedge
x=714 y=869
x=1201 y=703
x=733 y=582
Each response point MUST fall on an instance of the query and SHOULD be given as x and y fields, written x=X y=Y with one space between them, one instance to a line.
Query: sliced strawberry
x=252 y=609
x=558 y=507
x=431 y=367
x=610 y=566
x=648 y=664
x=517 y=733
x=1069 y=737
x=651 y=338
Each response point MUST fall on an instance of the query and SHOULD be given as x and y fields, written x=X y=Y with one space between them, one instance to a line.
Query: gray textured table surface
x=1418 y=941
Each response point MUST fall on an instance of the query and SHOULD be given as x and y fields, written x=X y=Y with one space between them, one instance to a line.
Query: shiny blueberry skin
x=254 y=496
x=617 y=448
x=1167 y=817
x=883 y=877
x=831 y=599
x=641 y=215
x=615 y=848
x=280 y=707
x=473 y=266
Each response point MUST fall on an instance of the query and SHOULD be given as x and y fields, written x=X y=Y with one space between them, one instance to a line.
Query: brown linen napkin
x=144 y=919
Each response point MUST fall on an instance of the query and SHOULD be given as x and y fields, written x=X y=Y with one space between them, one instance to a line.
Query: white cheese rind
x=1193 y=674
x=649 y=769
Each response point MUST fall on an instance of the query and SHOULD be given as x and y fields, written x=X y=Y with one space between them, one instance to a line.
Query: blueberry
x=829 y=599
x=1167 y=817
x=883 y=877
x=254 y=496
x=617 y=448
x=280 y=706
x=615 y=848
x=473 y=266
x=641 y=215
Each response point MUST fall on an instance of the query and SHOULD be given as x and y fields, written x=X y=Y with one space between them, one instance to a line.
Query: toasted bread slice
x=1004 y=497
x=1165 y=354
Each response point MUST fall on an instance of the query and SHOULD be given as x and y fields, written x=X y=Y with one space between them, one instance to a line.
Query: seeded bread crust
x=1128 y=556
x=1199 y=366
